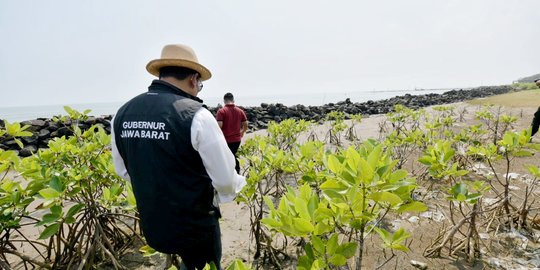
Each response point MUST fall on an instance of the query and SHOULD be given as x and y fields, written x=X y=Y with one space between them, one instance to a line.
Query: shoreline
x=44 y=129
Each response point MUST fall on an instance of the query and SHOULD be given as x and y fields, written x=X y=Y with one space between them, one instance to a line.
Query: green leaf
x=332 y=184
x=318 y=264
x=57 y=210
x=334 y=165
x=426 y=160
x=323 y=213
x=459 y=188
x=461 y=172
x=322 y=228
x=147 y=251
x=399 y=247
x=400 y=235
x=398 y=175
x=309 y=251
x=56 y=184
x=318 y=245
x=69 y=220
x=269 y=203
x=130 y=196
x=271 y=222
x=74 y=209
x=460 y=197
x=49 y=193
x=238 y=265
x=48 y=218
x=352 y=157
x=366 y=171
x=412 y=207
x=522 y=153
x=473 y=197
x=348 y=175
x=50 y=231
x=106 y=194
x=313 y=204
x=303 y=226
x=332 y=245
x=348 y=249
x=19 y=143
x=8 y=185
x=338 y=260
x=300 y=206
x=69 y=110
x=534 y=170
x=384 y=234
x=387 y=197
x=305 y=192
x=116 y=189
x=374 y=156
x=303 y=263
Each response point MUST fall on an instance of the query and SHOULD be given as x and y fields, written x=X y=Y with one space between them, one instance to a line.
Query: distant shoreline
x=44 y=129
x=23 y=113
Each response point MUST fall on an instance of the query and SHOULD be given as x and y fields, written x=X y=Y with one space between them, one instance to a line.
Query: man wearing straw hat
x=172 y=150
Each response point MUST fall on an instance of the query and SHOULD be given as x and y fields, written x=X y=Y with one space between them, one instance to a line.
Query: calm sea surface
x=314 y=99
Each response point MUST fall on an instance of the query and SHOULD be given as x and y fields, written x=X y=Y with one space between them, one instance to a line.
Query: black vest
x=173 y=191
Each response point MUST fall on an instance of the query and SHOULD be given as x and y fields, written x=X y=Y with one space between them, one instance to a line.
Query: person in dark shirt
x=233 y=122
x=172 y=150
x=536 y=120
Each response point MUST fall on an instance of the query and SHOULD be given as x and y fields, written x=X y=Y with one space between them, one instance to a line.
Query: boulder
x=34 y=125
x=28 y=151
x=44 y=134
x=53 y=126
x=30 y=139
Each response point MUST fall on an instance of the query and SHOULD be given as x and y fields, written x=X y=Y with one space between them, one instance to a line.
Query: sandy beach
x=238 y=243
x=235 y=222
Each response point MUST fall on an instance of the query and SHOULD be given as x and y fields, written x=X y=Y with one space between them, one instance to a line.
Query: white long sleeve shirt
x=218 y=160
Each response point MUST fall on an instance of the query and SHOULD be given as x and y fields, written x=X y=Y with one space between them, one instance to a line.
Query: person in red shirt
x=233 y=122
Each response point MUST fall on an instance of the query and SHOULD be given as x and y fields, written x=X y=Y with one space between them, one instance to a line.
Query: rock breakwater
x=44 y=129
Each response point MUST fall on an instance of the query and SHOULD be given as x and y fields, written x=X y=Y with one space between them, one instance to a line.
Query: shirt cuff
x=228 y=197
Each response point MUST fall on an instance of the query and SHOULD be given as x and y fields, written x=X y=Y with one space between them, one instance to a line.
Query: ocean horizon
x=23 y=113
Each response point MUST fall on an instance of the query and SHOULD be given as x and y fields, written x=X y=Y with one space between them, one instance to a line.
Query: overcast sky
x=65 y=52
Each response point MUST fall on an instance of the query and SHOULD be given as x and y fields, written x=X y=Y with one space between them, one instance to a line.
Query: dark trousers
x=205 y=251
x=234 y=148
x=535 y=122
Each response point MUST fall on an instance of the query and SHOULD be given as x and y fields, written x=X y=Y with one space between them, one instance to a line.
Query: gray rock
x=34 y=125
x=30 y=139
x=10 y=143
x=53 y=126
x=28 y=151
x=44 y=134
x=91 y=120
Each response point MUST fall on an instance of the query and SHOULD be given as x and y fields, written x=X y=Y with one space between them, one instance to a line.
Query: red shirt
x=232 y=118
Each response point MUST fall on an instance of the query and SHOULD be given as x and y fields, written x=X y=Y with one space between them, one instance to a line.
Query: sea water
x=22 y=113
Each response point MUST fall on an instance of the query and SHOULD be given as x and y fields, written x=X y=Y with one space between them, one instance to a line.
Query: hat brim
x=155 y=65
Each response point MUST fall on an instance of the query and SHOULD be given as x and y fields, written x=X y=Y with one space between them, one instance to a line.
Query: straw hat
x=178 y=55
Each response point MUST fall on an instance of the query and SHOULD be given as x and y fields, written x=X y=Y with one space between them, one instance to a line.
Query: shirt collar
x=163 y=86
